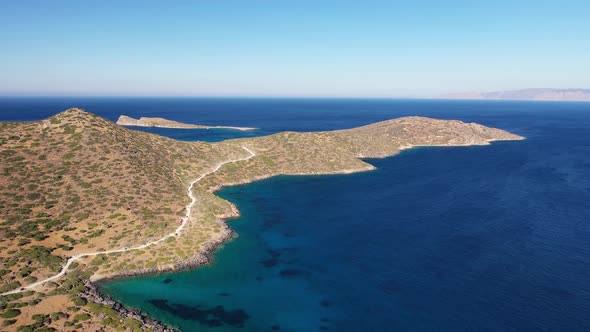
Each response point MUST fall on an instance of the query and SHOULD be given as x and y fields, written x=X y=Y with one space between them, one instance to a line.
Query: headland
x=165 y=123
x=92 y=200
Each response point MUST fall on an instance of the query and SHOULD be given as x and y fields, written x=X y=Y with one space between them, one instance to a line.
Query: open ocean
x=485 y=238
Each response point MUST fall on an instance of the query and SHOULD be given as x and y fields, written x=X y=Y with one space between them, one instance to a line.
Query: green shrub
x=79 y=301
x=10 y=298
x=9 y=287
x=43 y=256
x=42 y=319
x=30 y=279
x=108 y=322
x=11 y=313
x=58 y=315
x=69 y=155
x=25 y=271
x=25 y=328
x=34 y=196
x=81 y=317
x=40 y=236
x=133 y=324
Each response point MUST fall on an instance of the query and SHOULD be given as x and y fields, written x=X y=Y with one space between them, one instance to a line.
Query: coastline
x=165 y=123
x=289 y=153
x=93 y=293
x=196 y=127
x=206 y=256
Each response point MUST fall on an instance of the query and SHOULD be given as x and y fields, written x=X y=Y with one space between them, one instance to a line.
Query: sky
x=297 y=48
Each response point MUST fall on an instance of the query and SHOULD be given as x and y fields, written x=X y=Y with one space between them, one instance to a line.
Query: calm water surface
x=490 y=238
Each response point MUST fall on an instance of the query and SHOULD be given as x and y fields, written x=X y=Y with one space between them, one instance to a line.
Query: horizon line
x=436 y=98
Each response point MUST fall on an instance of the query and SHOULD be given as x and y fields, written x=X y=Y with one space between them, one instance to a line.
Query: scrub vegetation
x=77 y=183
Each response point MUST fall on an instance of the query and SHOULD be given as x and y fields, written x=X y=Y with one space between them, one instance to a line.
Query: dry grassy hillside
x=339 y=151
x=387 y=138
x=77 y=183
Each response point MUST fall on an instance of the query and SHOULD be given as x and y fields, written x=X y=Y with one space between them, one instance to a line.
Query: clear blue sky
x=291 y=48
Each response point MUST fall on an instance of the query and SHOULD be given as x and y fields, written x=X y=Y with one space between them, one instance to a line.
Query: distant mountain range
x=525 y=94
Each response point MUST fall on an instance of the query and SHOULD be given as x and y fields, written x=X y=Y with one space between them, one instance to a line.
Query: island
x=525 y=94
x=86 y=199
x=164 y=123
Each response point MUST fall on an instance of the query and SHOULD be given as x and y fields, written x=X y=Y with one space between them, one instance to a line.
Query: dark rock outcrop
x=92 y=294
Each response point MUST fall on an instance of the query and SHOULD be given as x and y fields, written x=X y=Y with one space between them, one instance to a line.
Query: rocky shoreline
x=92 y=294
x=201 y=258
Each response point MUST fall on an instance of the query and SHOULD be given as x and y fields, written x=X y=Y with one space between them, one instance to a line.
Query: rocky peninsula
x=164 y=123
x=90 y=199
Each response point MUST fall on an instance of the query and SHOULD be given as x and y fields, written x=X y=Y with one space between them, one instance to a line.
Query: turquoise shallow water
x=487 y=238
x=234 y=281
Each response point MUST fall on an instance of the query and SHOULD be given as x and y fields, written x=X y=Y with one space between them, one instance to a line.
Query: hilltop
x=76 y=183
x=526 y=94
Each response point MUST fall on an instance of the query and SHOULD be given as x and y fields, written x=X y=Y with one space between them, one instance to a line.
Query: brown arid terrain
x=84 y=198
x=165 y=123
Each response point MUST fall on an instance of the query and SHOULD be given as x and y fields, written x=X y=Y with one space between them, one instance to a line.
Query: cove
x=489 y=238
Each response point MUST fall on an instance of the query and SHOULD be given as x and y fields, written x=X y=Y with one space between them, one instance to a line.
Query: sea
x=481 y=238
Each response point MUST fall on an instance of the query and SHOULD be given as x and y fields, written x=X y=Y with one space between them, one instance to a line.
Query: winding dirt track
x=189 y=209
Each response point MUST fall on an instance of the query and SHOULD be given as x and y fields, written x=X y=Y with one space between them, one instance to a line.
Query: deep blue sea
x=486 y=238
